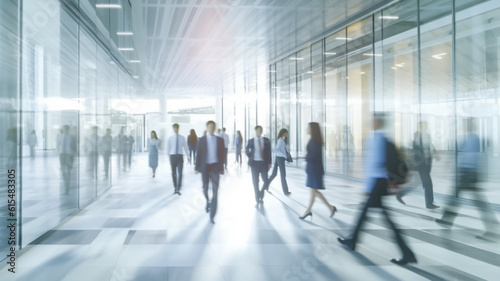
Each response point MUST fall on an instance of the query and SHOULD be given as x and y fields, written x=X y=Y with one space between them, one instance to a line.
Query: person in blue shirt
x=468 y=178
x=377 y=184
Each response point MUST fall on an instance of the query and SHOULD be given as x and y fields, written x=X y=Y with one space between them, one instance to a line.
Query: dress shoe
x=444 y=222
x=288 y=193
x=405 y=260
x=207 y=208
x=212 y=221
x=432 y=206
x=306 y=215
x=334 y=210
x=399 y=197
x=489 y=236
x=347 y=242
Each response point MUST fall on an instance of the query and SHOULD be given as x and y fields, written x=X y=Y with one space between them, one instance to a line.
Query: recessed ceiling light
x=439 y=56
x=136 y=77
x=330 y=53
x=296 y=58
x=343 y=38
x=310 y=72
x=125 y=49
x=108 y=6
x=362 y=73
x=372 y=55
x=124 y=33
x=395 y=68
x=134 y=61
x=389 y=17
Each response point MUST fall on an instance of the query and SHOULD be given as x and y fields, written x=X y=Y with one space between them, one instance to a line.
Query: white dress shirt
x=180 y=142
x=211 y=149
x=256 y=154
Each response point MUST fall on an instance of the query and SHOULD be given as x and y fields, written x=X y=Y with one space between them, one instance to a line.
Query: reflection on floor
x=140 y=230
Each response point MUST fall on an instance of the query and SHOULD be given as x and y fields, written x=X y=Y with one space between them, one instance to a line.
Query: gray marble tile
x=68 y=237
x=118 y=223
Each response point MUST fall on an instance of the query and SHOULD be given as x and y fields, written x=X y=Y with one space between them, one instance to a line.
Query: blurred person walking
x=153 y=148
x=192 y=145
x=176 y=146
x=259 y=155
x=281 y=155
x=106 y=146
x=210 y=163
x=238 y=144
x=468 y=179
x=379 y=156
x=315 y=169
x=423 y=153
x=32 y=142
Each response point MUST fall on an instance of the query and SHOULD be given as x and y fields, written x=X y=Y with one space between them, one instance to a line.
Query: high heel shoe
x=306 y=215
x=334 y=210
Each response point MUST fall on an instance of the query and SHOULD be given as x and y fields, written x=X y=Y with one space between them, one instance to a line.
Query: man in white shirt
x=210 y=159
x=177 y=146
x=226 y=143
x=258 y=151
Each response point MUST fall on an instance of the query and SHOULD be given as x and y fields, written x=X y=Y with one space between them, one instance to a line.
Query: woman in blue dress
x=153 y=145
x=315 y=169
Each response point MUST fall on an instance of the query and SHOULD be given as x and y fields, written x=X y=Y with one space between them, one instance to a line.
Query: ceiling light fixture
x=134 y=61
x=310 y=72
x=330 y=53
x=124 y=33
x=395 y=68
x=343 y=38
x=362 y=73
x=439 y=56
x=108 y=6
x=136 y=77
x=389 y=17
x=296 y=58
x=372 y=55
x=125 y=49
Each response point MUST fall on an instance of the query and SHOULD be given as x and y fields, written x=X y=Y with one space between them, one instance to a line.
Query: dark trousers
x=467 y=181
x=106 y=157
x=129 y=158
x=192 y=153
x=238 y=156
x=211 y=174
x=176 y=163
x=259 y=168
x=279 y=162
x=375 y=201
x=425 y=176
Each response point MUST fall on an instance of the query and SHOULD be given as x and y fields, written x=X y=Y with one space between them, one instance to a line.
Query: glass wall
x=434 y=62
x=56 y=88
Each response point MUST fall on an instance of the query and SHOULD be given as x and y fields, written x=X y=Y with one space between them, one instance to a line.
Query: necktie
x=260 y=149
x=177 y=144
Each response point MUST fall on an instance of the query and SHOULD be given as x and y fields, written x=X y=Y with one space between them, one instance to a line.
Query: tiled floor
x=140 y=230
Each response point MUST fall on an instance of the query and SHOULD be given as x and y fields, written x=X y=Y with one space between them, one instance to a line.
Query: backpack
x=397 y=168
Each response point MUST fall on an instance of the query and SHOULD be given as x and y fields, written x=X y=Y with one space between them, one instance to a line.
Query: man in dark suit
x=258 y=151
x=210 y=159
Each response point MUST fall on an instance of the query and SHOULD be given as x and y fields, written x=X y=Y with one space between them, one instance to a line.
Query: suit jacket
x=266 y=152
x=202 y=154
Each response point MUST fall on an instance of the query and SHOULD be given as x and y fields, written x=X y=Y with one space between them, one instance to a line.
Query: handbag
x=289 y=158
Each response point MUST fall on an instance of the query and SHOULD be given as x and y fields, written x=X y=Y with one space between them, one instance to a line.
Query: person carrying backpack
x=385 y=168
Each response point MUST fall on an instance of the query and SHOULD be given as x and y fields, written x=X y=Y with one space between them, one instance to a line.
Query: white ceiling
x=199 y=47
